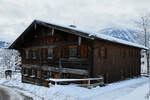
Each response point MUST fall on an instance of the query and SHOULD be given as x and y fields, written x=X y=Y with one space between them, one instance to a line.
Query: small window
x=33 y=73
x=50 y=53
x=27 y=54
x=26 y=72
x=49 y=74
x=103 y=52
x=34 y=54
x=143 y=62
x=73 y=52
x=51 y=32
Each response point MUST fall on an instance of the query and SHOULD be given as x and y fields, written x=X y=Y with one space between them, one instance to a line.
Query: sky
x=89 y=15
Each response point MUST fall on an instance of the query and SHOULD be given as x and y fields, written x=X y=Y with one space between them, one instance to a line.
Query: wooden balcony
x=57 y=69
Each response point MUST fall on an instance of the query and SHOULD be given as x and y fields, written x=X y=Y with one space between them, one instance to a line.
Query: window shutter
x=79 y=51
x=56 y=52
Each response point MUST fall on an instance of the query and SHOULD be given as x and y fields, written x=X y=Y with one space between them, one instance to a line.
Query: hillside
x=4 y=44
x=124 y=34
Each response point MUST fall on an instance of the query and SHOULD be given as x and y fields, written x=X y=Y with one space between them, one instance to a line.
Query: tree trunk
x=147 y=55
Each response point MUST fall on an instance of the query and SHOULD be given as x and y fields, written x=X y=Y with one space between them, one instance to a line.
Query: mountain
x=4 y=44
x=124 y=34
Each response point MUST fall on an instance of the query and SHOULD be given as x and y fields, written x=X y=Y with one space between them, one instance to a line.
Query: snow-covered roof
x=99 y=36
x=83 y=33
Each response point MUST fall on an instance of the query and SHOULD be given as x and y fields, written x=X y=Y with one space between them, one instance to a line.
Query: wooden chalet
x=54 y=51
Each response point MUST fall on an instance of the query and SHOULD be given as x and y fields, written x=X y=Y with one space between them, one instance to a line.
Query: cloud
x=91 y=15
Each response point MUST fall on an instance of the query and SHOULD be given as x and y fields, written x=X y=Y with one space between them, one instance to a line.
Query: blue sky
x=89 y=15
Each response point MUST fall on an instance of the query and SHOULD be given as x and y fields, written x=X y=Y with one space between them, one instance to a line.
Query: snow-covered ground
x=8 y=94
x=132 y=89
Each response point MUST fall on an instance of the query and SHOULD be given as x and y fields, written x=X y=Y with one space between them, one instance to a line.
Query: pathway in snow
x=116 y=90
x=4 y=95
x=7 y=93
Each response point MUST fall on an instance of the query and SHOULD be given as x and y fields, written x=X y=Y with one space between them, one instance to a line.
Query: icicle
x=79 y=41
x=52 y=31
x=35 y=26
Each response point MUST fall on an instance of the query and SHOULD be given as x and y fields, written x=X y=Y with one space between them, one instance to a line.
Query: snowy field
x=132 y=89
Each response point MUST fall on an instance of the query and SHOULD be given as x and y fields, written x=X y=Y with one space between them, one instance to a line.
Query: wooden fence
x=87 y=82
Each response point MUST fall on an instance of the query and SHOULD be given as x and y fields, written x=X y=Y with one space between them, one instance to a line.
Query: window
x=26 y=72
x=34 y=54
x=73 y=51
x=33 y=73
x=50 y=53
x=27 y=54
x=49 y=74
x=103 y=52
x=51 y=32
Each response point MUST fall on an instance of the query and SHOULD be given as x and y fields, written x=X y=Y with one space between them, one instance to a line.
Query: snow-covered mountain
x=4 y=44
x=124 y=34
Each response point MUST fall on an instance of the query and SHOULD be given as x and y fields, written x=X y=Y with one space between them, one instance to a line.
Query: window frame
x=34 y=55
x=50 y=53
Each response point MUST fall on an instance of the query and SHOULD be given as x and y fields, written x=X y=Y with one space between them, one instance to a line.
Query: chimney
x=73 y=26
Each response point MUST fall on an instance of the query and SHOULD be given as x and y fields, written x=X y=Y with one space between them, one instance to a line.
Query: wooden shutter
x=63 y=52
x=56 y=52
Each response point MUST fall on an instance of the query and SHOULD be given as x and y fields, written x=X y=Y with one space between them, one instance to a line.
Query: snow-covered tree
x=143 y=24
x=9 y=59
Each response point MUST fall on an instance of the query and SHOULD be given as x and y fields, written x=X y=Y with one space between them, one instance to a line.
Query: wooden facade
x=52 y=51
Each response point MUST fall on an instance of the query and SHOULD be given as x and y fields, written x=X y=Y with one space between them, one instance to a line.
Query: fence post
x=88 y=82
x=55 y=83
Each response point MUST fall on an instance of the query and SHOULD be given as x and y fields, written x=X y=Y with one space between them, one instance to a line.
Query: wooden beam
x=60 y=64
x=90 y=69
x=40 y=67
x=52 y=31
x=57 y=69
x=52 y=45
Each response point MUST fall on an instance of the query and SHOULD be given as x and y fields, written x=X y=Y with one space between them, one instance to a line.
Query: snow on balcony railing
x=100 y=81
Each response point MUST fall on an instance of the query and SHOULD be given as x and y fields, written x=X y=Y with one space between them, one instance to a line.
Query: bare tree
x=143 y=24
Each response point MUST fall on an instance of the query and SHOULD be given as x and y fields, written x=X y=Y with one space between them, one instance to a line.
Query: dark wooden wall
x=118 y=63
x=60 y=42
